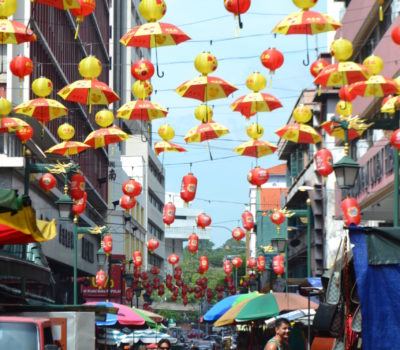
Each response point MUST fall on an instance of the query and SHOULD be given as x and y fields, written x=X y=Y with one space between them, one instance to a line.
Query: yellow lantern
x=305 y=4
x=374 y=64
x=5 y=107
x=205 y=63
x=341 y=49
x=255 y=131
x=7 y=8
x=90 y=67
x=166 y=132
x=302 y=114
x=142 y=89
x=203 y=113
x=104 y=118
x=256 y=82
x=66 y=131
x=344 y=108
x=42 y=87
x=152 y=10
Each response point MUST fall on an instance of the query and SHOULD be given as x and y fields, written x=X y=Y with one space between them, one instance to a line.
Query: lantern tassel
x=381 y=13
x=77 y=30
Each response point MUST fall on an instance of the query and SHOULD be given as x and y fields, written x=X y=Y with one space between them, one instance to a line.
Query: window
x=156 y=172
x=87 y=250
x=155 y=231
x=155 y=260
x=142 y=216
x=157 y=203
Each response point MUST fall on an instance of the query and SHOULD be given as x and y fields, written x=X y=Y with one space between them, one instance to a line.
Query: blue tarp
x=220 y=308
x=379 y=292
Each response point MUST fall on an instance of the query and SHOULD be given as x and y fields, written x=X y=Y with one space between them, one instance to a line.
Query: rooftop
x=279 y=169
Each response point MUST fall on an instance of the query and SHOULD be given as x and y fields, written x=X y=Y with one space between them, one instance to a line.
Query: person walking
x=281 y=339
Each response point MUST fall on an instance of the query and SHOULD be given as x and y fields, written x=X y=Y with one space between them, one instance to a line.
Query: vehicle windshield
x=15 y=335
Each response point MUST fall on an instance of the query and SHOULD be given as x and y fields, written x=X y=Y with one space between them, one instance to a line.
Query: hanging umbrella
x=205 y=88
x=206 y=131
x=68 y=148
x=299 y=133
x=42 y=109
x=390 y=105
x=60 y=4
x=166 y=146
x=306 y=22
x=90 y=92
x=376 y=86
x=334 y=129
x=251 y=104
x=106 y=136
x=255 y=148
x=141 y=110
x=13 y=32
x=342 y=73
x=8 y=124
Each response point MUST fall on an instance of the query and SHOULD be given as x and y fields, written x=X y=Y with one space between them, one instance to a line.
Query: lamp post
x=280 y=246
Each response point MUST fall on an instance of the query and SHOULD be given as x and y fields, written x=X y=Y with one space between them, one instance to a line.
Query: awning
x=22 y=227
x=9 y=201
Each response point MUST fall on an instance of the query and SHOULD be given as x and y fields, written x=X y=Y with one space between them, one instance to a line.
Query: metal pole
x=75 y=263
x=109 y=278
x=309 y=326
x=308 y=237
x=137 y=302
x=287 y=267
x=121 y=285
x=396 y=189
x=27 y=173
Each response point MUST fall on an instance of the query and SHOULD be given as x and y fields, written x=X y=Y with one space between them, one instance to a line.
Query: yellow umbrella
x=375 y=86
x=68 y=148
x=141 y=110
x=206 y=131
x=342 y=73
x=255 y=148
x=253 y=103
x=42 y=109
x=166 y=146
x=390 y=104
x=8 y=124
x=299 y=133
x=105 y=136
x=13 y=32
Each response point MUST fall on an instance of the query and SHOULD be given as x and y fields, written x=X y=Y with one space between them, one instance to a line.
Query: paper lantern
x=272 y=59
x=238 y=234
x=251 y=263
x=374 y=64
x=204 y=113
x=144 y=276
x=278 y=265
x=21 y=66
x=203 y=264
x=142 y=89
x=25 y=133
x=396 y=35
x=5 y=107
x=85 y=9
x=8 y=8
x=344 y=108
x=127 y=202
x=104 y=118
x=78 y=184
x=305 y=4
x=323 y=162
x=278 y=218
x=302 y=114
x=188 y=188
x=258 y=176
x=47 y=182
x=152 y=10
x=395 y=139
x=173 y=259
x=317 y=66
x=177 y=273
x=237 y=6
x=256 y=82
x=227 y=267
x=247 y=221
x=132 y=188
x=152 y=245
x=66 y=131
x=255 y=131
x=155 y=270
x=79 y=205
x=203 y=221
x=341 y=49
x=351 y=211
x=345 y=94
x=205 y=63
x=137 y=259
x=193 y=243
x=101 y=279
x=142 y=69
x=237 y=262
x=42 y=87
x=261 y=263
x=107 y=244
x=169 y=213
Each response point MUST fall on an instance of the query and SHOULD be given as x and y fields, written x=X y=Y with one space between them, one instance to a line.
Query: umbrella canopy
x=334 y=129
x=141 y=110
x=376 y=86
x=166 y=146
x=42 y=109
x=390 y=105
x=256 y=148
x=155 y=317
x=113 y=336
x=341 y=74
x=206 y=131
x=106 y=136
x=251 y=104
x=205 y=88
x=60 y=4
x=154 y=34
x=68 y=148
x=299 y=133
x=8 y=124
x=306 y=22
x=125 y=315
x=13 y=32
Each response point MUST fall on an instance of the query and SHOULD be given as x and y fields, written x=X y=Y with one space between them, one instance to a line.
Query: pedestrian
x=194 y=348
x=281 y=339
x=164 y=344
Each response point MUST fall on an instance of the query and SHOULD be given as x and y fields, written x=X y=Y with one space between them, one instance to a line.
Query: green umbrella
x=245 y=297
x=147 y=319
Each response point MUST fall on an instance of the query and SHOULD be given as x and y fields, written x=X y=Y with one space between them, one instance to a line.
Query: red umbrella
x=60 y=4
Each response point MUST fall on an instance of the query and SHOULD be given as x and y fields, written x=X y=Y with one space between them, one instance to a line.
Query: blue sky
x=204 y=21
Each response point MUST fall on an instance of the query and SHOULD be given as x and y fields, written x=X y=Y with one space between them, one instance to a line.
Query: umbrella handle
x=306 y=62
x=239 y=19
x=160 y=75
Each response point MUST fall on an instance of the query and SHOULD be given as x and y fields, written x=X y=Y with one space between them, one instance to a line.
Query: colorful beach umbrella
x=251 y=104
x=60 y=4
x=105 y=136
x=13 y=32
x=8 y=124
x=141 y=110
x=205 y=88
x=68 y=148
x=334 y=129
x=375 y=86
x=341 y=74
x=42 y=109
x=166 y=146
x=206 y=131
x=256 y=148
x=299 y=133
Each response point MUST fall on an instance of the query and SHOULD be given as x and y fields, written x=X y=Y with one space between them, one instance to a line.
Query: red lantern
x=132 y=188
x=193 y=244
x=169 y=213
x=251 y=263
x=278 y=218
x=396 y=35
x=101 y=279
x=137 y=259
x=21 y=66
x=127 y=202
x=85 y=9
x=161 y=291
x=78 y=185
x=152 y=245
x=272 y=59
x=79 y=205
x=238 y=234
x=345 y=94
x=317 y=66
x=185 y=300
x=395 y=139
x=47 y=182
x=25 y=133
x=227 y=267
x=261 y=263
x=237 y=262
x=237 y=6
x=351 y=211
x=278 y=264
x=173 y=259
x=142 y=69
x=144 y=276
x=155 y=270
x=203 y=264
x=107 y=244
x=247 y=221
x=188 y=188
x=323 y=162
x=177 y=273
x=203 y=220
x=258 y=176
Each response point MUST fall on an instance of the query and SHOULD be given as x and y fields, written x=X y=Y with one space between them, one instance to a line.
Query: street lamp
x=279 y=244
x=346 y=172
x=101 y=257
